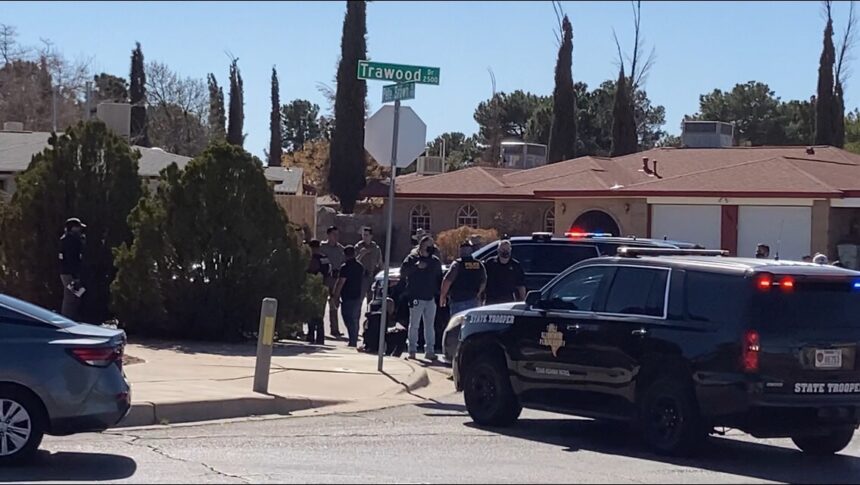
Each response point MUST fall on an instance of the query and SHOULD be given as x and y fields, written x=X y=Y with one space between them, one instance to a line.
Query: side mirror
x=533 y=298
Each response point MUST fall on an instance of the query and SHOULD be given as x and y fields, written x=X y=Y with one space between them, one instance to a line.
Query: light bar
x=588 y=234
x=633 y=252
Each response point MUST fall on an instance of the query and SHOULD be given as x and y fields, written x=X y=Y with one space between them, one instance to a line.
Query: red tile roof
x=736 y=171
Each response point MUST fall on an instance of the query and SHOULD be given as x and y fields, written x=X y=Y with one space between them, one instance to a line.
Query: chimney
x=117 y=117
x=655 y=169
x=810 y=151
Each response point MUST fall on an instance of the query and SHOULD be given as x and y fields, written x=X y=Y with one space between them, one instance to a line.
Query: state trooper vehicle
x=679 y=343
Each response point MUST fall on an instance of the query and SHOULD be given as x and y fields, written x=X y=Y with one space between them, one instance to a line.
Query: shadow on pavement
x=246 y=349
x=721 y=455
x=452 y=408
x=71 y=467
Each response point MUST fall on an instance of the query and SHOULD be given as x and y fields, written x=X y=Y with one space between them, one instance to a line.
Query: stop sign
x=411 y=136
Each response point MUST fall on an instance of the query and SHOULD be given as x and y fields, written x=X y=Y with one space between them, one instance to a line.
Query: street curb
x=148 y=413
x=414 y=381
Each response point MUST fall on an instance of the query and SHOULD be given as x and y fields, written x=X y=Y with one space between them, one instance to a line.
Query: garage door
x=787 y=229
x=692 y=223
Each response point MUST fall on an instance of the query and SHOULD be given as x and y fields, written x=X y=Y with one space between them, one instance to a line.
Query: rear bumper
x=106 y=405
x=93 y=422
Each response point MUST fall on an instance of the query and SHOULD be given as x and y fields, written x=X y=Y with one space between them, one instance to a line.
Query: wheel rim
x=666 y=419
x=483 y=391
x=15 y=427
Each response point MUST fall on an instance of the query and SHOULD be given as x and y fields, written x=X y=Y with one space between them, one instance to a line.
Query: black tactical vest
x=468 y=281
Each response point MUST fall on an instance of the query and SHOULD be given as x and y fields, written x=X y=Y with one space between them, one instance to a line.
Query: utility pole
x=54 y=96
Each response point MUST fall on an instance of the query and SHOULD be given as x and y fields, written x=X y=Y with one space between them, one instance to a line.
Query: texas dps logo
x=552 y=338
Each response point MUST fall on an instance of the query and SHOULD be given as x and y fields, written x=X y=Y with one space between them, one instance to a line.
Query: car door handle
x=639 y=332
x=574 y=327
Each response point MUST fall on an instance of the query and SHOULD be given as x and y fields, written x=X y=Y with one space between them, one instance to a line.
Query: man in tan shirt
x=369 y=255
x=333 y=250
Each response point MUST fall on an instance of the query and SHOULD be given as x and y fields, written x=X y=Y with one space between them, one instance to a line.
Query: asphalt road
x=426 y=443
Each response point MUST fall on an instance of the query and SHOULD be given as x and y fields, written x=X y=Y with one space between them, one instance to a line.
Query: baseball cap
x=74 y=221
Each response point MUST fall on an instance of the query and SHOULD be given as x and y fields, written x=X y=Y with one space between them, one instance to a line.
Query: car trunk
x=808 y=332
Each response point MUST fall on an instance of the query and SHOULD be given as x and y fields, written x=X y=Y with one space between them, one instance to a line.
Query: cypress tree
x=838 y=115
x=137 y=97
x=276 y=142
x=624 y=138
x=347 y=162
x=217 y=115
x=237 y=105
x=824 y=103
x=562 y=138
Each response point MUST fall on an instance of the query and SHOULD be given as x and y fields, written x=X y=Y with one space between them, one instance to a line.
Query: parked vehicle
x=57 y=377
x=680 y=343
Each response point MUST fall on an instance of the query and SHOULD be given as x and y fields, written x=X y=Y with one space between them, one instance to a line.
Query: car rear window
x=36 y=312
x=703 y=304
x=638 y=291
x=551 y=258
x=809 y=305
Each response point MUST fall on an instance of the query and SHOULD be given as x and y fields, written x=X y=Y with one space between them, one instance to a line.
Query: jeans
x=427 y=310
x=351 y=311
x=461 y=306
x=71 y=302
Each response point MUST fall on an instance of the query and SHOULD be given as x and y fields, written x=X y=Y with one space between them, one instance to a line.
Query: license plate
x=828 y=359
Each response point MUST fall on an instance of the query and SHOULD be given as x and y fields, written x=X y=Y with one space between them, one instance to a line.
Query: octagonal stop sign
x=411 y=136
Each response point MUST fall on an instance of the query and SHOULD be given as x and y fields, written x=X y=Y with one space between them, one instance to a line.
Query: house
x=286 y=180
x=799 y=200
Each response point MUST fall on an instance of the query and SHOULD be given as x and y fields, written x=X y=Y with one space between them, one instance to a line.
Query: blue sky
x=700 y=46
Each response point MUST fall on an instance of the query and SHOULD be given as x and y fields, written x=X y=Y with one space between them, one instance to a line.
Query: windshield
x=35 y=312
x=809 y=305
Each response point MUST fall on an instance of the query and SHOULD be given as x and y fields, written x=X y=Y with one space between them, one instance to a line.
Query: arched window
x=549 y=220
x=419 y=218
x=467 y=216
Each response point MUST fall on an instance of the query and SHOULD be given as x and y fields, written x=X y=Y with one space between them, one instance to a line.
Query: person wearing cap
x=422 y=271
x=71 y=263
x=320 y=265
x=464 y=282
x=333 y=250
x=369 y=255
x=819 y=259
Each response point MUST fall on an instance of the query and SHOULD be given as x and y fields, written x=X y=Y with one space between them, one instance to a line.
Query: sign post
x=405 y=146
x=265 y=340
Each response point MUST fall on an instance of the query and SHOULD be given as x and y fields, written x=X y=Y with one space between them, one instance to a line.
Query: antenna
x=779 y=239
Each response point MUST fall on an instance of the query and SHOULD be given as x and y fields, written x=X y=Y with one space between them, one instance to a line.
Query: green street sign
x=399 y=73
x=398 y=92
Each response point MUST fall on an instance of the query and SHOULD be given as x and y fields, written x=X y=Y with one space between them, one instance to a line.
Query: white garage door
x=692 y=223
x=786 y=228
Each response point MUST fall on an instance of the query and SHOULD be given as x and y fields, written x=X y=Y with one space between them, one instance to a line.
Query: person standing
x=320 y=265
x=348 y=291
x=71 y=256
x=506 y=280
x=333 y=250
x=464 y=282
x=370 y=256
x=423 y=272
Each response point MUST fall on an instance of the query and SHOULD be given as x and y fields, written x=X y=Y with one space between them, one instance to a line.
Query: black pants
x=316 y=331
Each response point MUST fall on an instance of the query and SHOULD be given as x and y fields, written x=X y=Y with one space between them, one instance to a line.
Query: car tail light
x=750 y=348
x=98 y=356
x=787 y=283
x=764 y=282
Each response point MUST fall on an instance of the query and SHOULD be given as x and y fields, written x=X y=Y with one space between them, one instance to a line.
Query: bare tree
x=9 y=48
x=178 y=110
x=846 y=46
x=639 y=66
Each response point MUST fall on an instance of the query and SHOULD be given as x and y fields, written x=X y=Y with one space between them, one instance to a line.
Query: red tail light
x=764 y=282
x=750 y=348
x=787 y=283
x=98 y=356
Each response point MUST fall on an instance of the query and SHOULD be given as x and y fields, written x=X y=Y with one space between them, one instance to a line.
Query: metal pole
x=383 y=323
x=265 y=339
x=54 y=109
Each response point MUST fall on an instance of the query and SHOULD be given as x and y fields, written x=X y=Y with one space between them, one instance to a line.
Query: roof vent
x=810 y=151
x=707 y=134
x=13 y=126
x=430 y=166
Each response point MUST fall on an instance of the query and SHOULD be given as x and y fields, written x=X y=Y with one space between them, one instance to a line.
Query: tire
x=22 y=426
x=669 y=419
x=489 y=397
x=824 y=445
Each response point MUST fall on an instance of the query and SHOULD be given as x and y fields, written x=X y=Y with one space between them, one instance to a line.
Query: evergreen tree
x=562 y=138
x=824 y=105
x=347 y=164
x=89 y=173
x=235 y=135
x=217 y=114
x=276 y=142
x=137 y=97
x=624 y=138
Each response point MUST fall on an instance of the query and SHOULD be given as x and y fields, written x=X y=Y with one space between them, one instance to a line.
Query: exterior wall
x=821 y=229
x=513 y=217
x=631 y=214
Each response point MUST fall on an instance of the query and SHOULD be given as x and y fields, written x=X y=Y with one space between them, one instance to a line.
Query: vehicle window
x=578 y=290
x=8 y=316
x=810 y=305
x=638 y=291
x=551 y=258
x=703 y=306
x=35 y=312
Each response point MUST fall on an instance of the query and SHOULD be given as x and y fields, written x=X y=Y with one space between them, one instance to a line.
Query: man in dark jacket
x=506 y=280
x=423 y=273
x=320 y=265
x=349 y=291
x=71 y=263
x=464 y=282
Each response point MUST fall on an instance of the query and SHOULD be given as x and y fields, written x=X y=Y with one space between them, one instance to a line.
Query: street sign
x=398 y=92
x=411 y=136
x=399 y=73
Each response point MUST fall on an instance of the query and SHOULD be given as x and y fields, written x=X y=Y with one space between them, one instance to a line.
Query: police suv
x=680 y=343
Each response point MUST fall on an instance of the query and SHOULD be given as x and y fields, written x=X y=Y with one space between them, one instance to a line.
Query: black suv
x=680 y=343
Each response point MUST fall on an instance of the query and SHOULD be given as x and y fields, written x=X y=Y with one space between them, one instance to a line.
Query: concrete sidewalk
x=190 y=382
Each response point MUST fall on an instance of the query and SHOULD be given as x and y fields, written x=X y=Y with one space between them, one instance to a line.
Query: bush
x=209 y=245
x=449 y=241
x=89 y=173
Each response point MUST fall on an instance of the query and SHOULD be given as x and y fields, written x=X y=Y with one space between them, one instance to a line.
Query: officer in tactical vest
x=464 y=282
